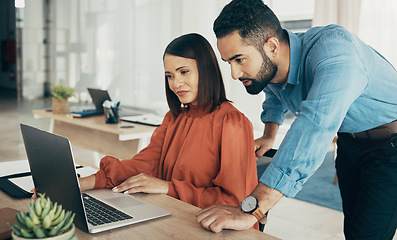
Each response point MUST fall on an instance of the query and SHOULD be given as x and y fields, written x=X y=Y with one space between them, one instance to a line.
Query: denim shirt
x=336 y=83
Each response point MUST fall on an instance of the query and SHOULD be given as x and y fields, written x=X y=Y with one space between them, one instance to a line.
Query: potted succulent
x=60 y=96
x=44 y=219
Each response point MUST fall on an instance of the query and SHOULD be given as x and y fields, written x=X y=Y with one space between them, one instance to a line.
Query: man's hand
x=265 y=143
x=143 y=183
x=262 y=145
x=219 y=217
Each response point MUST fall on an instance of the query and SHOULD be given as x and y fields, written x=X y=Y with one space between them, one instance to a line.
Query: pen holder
x=111 y=115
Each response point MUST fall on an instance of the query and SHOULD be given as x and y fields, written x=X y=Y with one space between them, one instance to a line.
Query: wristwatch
x=250 y=205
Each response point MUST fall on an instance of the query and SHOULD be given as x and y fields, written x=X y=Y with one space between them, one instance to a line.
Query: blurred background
x=118 y=44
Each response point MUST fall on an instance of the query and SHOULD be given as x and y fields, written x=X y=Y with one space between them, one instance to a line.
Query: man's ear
x=272 y=47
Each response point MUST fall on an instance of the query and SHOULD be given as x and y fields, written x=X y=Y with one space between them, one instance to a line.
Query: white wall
x=118 y=45
x=33 y=51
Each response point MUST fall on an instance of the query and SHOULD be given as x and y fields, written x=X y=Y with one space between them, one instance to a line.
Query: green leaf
x=61 y=92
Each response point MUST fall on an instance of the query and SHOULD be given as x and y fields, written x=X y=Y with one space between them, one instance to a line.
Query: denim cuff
x=273 y=177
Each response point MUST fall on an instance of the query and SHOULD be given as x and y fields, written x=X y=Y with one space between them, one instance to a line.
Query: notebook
x=98 y=97
x=53 y=170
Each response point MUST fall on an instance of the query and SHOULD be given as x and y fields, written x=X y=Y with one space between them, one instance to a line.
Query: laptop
x=98 y=97
x=53 y=171
x=146 y=119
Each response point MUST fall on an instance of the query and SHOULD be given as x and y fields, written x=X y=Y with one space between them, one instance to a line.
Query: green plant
x=60 y=91
x=44 y=219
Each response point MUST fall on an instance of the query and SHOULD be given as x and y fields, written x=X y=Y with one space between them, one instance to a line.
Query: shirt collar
x=295 y=46
x=196 y=112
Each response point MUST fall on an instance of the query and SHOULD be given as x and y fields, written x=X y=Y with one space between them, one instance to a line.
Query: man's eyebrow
x=232 y=58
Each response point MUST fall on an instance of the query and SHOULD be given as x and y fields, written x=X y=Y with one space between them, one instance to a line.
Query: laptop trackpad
x=124 y=201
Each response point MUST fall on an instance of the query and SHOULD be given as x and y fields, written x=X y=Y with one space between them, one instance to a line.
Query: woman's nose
x=178 y=82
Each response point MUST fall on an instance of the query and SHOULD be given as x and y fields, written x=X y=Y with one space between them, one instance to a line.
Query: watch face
x=249 y=204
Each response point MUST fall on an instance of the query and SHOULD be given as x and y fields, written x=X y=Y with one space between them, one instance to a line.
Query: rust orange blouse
x=208 y=158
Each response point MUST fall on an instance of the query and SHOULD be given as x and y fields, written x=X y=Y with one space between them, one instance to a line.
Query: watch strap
x=258 y=214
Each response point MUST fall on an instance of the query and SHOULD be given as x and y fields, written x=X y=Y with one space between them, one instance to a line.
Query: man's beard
x=265 y=75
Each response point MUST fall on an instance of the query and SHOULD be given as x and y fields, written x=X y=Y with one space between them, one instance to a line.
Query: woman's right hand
x=87 y=183
x=34 y=196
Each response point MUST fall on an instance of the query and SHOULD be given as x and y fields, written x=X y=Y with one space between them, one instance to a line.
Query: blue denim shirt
x=336 y=83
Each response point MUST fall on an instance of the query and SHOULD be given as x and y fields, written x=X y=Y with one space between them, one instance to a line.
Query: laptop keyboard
x=100 y=213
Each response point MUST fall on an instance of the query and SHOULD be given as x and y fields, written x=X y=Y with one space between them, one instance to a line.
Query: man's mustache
x=245 y=79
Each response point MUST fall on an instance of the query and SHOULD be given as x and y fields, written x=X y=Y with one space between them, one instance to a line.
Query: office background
x=118 y=44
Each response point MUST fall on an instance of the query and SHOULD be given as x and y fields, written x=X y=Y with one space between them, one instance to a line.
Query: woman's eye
x=184 y=71
x=168 y=76
x=239 y=60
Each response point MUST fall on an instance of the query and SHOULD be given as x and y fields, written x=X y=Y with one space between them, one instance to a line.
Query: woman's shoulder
x=227 y=109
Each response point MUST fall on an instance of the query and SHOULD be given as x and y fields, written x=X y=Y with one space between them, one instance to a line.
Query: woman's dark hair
x=211 y=91
x=252 y=19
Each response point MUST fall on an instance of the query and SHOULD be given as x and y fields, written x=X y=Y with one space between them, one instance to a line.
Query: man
x=335 y=85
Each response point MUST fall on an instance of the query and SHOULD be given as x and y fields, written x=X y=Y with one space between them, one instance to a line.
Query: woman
x=203 y=152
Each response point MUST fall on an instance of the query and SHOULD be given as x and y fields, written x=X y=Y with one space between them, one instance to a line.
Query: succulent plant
x=44 y=219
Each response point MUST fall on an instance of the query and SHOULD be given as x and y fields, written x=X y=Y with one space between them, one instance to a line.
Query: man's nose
x=236 y=72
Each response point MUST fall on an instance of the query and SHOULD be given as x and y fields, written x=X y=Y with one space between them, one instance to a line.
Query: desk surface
x=181 y=224
x=97 y=122
x=94 y=134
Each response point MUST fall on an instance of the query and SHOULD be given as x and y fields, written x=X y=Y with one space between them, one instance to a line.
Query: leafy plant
x=44 y=219
x=61 y=92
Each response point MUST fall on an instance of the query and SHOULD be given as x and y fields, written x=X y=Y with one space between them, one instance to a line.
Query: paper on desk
x=26 y=183
x=14 y=167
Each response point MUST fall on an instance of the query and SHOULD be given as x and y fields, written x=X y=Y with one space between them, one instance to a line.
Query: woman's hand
x=34 y=196
x=87 y=183
x=142 y=183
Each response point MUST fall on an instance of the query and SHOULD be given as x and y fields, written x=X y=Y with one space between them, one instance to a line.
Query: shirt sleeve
x=113 y=171
x=339 y=78
x=237 y=175
x=273 y=109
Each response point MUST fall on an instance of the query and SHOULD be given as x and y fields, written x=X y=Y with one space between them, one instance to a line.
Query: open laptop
x=53 y=170
x=98 y=97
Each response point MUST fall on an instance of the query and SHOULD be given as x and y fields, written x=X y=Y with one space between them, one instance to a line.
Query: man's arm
x=265 y=143
x=219 y=217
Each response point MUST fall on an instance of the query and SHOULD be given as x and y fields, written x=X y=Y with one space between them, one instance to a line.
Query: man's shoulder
x=322 y=33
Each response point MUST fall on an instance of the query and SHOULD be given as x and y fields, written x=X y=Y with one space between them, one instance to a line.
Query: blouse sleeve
x=237 y=175
x=113 y=171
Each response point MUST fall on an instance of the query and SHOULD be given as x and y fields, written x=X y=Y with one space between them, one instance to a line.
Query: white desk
x=94 y=134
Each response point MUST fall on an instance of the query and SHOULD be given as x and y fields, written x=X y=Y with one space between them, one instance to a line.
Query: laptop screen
x=98 y=97
x=53 y=171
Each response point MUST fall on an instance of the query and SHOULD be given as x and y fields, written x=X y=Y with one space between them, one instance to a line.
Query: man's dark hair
x=211 y=90
x=252 y=19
